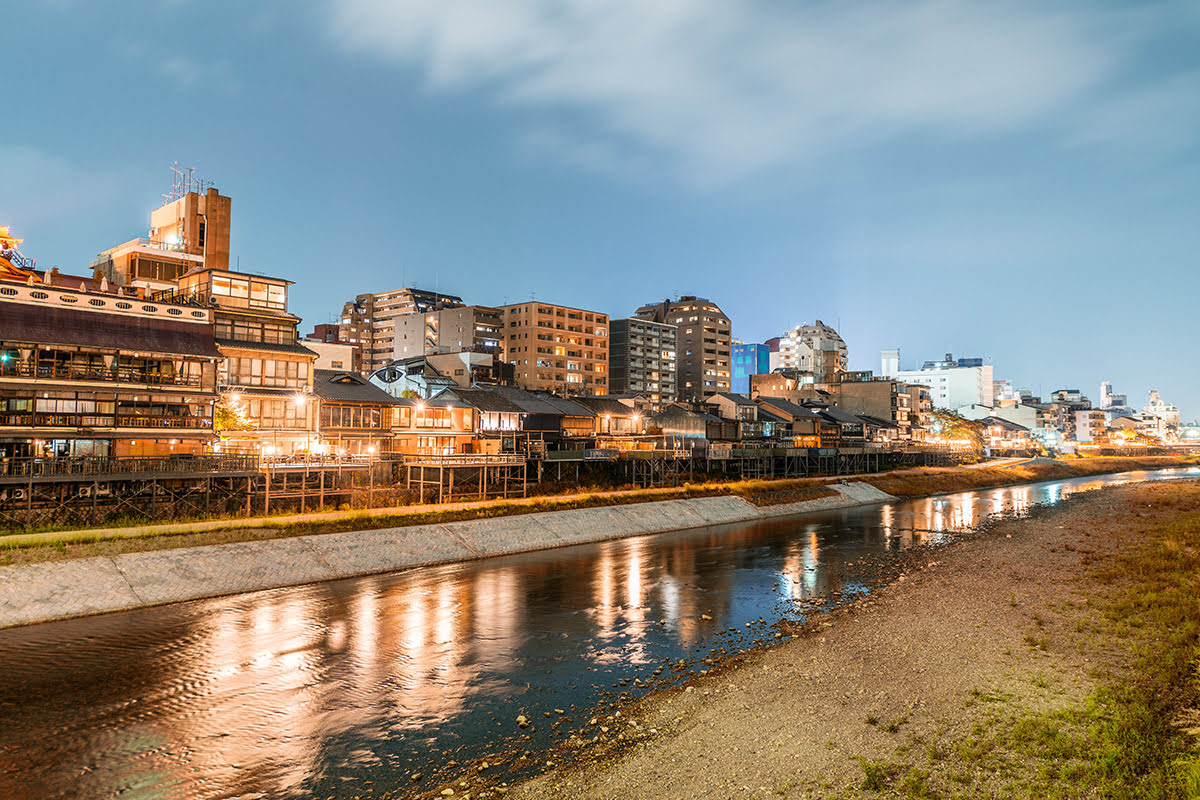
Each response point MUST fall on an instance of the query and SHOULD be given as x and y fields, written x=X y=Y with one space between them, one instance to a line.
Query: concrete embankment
x=59 y=590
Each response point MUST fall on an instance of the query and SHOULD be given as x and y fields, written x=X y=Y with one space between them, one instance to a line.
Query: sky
x=1015 y=181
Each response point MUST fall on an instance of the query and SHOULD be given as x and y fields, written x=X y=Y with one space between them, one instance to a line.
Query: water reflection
x=311 y=691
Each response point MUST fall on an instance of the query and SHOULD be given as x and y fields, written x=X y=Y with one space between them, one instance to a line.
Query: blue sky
x=1017 y=181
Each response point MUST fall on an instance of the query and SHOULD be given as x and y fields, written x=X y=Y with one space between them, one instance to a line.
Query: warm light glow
x=300 y=400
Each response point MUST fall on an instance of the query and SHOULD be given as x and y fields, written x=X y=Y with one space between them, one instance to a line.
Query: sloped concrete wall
x=58 y=590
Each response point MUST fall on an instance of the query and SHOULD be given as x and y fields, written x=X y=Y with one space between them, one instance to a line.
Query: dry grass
x=936 y=480
x=59 y=546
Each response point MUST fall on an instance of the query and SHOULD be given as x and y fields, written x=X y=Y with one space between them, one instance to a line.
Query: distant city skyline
x=1017 y=183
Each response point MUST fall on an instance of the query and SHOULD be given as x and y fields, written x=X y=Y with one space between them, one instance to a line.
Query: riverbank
x=39 y=592
x=51 y=579
x=29 y=548
x=1046 y=657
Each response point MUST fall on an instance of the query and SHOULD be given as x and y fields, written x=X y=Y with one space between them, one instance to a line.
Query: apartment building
x=369 y=321
x=557 y=348
x=643 y=359
x=816 y=350
x=457 y=329
x=703 y=344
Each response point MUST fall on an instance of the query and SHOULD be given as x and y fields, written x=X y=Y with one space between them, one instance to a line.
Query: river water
x=345 y=689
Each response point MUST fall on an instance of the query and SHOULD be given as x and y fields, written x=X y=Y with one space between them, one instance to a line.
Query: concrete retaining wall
x=58 y=590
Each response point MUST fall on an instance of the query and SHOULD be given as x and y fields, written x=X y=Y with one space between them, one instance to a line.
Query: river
x=345 y=689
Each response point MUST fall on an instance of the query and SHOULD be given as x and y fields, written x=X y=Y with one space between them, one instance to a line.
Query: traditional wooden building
x=102 y=373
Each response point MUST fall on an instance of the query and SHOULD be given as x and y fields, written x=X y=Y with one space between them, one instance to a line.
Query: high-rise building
x=703 y=348
x=747 y=360
x=556 y=348
x=642 y=356
x=368 y=321
x=815 y=350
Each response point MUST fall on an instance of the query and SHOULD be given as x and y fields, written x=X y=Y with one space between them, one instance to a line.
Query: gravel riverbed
x=890 y=686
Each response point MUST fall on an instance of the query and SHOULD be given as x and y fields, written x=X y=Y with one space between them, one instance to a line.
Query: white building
x=1090 y=425
x=952 y=383
x=1164 y=417
x=816 y=350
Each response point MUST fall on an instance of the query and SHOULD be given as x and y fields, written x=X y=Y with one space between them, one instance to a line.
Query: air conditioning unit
x=85 y=491
x=20 y=494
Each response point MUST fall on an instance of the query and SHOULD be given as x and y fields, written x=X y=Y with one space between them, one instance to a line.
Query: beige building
x=556 y=348
x=703 y=344
x=187 y=233
x=460 y=329
x=369 y=321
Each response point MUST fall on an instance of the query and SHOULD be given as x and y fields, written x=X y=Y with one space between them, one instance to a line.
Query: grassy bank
x=24 y=548
x=936 y=480
x=1135 y=734
x=60 y=545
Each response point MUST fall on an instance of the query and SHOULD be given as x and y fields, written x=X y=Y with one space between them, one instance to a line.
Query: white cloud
x=726 y=88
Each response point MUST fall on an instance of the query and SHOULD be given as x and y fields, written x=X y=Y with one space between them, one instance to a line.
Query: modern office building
x=369 y=321
x=643 y=359
x=556 y=348
x=747 y=360
x=703 y=344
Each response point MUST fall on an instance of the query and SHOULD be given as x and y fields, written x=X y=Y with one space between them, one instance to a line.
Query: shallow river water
x=344 y=689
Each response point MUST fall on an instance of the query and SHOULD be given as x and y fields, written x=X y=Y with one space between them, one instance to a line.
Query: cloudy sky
x=1017 y=181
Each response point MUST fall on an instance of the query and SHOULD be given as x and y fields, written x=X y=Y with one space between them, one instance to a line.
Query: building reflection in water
x=293 y=692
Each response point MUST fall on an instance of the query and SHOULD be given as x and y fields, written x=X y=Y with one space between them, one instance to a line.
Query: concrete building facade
x=642 y=356
x=953 y=383
x=556 y=348
x=703 y=344
x=455 y=329
x=815 y=349
x=369 y=321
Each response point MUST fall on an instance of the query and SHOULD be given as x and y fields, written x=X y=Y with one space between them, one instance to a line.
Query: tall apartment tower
x=556 y=348
x=368 y=321
x=643 y=359
x=703 y=344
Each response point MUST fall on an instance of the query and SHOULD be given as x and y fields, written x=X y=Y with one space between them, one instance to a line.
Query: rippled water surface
x=334 y=689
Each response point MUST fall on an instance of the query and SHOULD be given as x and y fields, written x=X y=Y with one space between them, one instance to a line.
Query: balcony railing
x=39 y=420
x=16 y=369
x=98 y=465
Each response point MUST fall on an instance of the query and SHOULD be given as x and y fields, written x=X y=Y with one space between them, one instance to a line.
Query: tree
x=409 y=394
x=951 y=425
x=231 y=416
